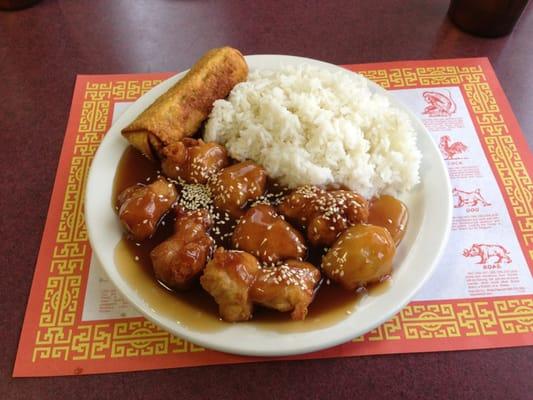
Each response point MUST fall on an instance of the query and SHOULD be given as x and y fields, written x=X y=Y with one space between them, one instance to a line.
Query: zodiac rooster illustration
x=450 y=149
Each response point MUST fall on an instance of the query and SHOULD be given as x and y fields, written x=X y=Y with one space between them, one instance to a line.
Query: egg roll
x=180 y=111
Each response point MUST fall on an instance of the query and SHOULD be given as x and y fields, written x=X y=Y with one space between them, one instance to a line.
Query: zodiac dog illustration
x=488 y=251
x=472 y=198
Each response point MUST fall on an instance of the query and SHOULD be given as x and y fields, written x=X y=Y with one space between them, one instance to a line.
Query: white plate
x=430 y=207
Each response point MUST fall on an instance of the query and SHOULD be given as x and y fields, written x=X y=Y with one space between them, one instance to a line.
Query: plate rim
x=301 y=349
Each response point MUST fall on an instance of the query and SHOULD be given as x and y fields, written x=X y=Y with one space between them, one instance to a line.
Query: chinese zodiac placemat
x=480 y=295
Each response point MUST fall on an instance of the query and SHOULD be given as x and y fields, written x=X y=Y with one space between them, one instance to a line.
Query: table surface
x=44 y=47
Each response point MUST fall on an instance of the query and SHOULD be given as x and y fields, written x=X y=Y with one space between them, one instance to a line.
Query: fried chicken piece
x=180 y=259
x=141 y=207
x=193 y=160
x=266 y=235
x=286 y=287
x=228 y=277
x=237 y=184
x=390 y=213
x=300 y=205
x=325 y=214
x=363 y=254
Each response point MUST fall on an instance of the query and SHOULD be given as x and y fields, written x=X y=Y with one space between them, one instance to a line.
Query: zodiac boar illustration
x=497 y=253
x=472 y=198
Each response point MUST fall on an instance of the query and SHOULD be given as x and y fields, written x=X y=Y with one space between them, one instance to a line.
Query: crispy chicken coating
x=237 y=184
x=141 y=207
x=363 y=254
x=193 y=160
x=228 y=277
x=266 y=235
x=180 y=259
x=287 y=287
x=325 y=214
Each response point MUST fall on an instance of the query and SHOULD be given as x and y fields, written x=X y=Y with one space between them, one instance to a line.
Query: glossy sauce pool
x=195 y=308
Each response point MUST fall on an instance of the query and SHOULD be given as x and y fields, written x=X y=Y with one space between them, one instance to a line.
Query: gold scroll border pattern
x=59 y=336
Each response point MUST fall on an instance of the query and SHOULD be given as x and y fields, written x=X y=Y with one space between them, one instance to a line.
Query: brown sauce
x=195 y=308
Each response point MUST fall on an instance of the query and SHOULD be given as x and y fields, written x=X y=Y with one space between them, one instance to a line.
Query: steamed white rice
x=305 y=125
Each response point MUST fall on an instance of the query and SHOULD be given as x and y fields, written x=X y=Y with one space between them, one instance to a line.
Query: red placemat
x=479 y=297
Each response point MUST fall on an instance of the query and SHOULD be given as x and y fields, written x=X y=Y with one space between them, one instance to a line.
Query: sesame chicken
x=179 y=260
x=325 y=214
x=287 y=287
x=192 y=160
x=228 y=277
x=233 y=187
x=363 y=254
x=263 y=233
x=141 y=207
x=390 y=213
